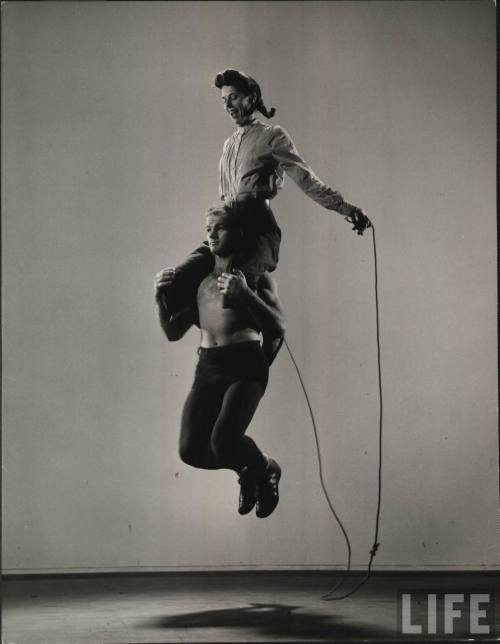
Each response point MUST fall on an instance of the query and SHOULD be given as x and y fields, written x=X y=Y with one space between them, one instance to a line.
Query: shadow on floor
x=273 y=620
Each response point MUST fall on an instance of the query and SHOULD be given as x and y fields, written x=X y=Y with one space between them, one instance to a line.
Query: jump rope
x=329 y=595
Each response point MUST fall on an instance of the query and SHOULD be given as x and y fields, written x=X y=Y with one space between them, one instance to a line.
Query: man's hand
x=359 y=220
x=232 y=285
x=163 y=280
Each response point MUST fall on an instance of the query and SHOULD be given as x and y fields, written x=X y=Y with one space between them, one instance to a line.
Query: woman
x=251 y=173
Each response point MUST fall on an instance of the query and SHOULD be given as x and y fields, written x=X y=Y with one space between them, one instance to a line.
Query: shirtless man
x=232 y=372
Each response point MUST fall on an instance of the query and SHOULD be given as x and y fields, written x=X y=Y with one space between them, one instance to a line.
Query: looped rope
x=327 y=596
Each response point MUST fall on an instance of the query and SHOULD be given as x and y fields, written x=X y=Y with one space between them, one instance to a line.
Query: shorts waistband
x=226 y=349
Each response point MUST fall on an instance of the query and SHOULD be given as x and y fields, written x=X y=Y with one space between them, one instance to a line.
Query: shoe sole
x=264 y=516
x=244 y=511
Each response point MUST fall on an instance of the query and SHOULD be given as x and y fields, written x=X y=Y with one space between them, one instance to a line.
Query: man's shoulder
x=266 y=282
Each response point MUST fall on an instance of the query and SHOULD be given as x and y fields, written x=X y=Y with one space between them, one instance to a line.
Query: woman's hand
x=359 y=220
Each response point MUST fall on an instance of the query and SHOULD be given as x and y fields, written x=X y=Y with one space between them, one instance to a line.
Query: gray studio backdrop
x=112 y=132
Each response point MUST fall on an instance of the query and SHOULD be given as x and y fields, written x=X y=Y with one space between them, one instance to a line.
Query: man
x=232 y=371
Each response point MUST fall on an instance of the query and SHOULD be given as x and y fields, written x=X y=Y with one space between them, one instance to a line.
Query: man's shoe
x=248 y=491
x=267 y=491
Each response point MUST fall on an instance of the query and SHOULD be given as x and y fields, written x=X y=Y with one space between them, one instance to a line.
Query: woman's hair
x=247 y=85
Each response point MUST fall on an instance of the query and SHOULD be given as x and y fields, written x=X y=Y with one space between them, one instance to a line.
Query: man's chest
x=209 y=293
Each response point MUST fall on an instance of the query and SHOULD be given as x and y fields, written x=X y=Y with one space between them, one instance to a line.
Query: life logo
x=446 y=614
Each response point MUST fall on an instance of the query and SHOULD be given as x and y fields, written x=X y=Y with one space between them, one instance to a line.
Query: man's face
x=237 y=104
x=221 y=237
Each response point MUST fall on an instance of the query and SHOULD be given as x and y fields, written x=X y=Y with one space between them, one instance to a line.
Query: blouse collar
x=241 y=129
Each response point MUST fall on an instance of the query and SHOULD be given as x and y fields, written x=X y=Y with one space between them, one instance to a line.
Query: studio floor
x=213 y=607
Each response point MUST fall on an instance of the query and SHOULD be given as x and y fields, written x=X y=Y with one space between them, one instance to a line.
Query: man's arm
x=174 y=326
x=265 y=306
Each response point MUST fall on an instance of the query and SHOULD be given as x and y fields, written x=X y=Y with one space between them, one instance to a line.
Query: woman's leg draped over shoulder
x=188 y=276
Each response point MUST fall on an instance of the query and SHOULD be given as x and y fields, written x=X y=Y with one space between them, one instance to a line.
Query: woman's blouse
x=254 y=159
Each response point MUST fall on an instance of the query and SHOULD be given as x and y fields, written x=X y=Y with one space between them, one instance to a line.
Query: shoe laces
x=272 y=481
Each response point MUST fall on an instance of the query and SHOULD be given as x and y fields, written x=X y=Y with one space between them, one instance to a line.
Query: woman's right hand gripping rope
x=359 y=220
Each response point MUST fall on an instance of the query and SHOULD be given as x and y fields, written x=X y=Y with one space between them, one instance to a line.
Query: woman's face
x=238 y=105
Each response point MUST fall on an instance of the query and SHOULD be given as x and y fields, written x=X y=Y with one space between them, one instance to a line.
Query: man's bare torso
x=221 y=326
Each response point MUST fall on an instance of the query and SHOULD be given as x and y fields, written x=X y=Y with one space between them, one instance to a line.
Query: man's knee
x=197 y=265
x=188 y=276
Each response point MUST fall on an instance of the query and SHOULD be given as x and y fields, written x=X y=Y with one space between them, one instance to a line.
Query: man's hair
x=231 y=219
x=247 y=85
x=221 y=211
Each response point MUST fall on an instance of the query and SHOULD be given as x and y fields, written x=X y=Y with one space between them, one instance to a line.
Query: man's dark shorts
x=220 y=367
